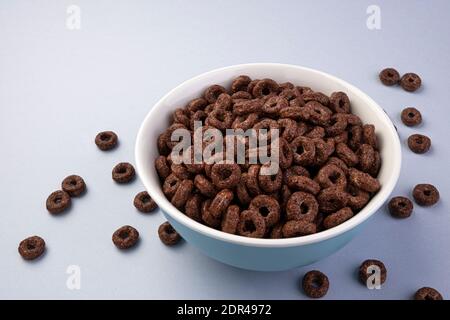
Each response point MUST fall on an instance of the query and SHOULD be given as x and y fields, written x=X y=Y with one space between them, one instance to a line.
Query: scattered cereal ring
x=58 y=201
x=168 y=235
x=74 y=185
x=427 y=293
x=123 y=172
x=106 y=140
x=315 y=284
x=32 y=247
x=425 y=194
x=389 y=76
x=411 y=117
x=125 y=237
x=367 y=269
x=410 y=82
x=419 y=143
x=400 y=207
x=144 y=203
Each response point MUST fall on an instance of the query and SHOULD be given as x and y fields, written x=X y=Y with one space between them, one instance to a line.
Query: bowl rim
x=358 y=219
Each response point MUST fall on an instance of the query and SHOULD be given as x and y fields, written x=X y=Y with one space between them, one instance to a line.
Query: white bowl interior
x=159 y=116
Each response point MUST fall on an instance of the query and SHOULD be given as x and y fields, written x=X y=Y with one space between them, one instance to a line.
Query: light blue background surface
x=58 y=88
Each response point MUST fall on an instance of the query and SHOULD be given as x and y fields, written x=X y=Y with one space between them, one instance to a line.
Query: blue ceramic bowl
x=266 y=254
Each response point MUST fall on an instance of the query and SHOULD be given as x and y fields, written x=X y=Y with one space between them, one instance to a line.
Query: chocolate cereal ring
x=346 y=154
x=74 y=185
x=355 y=137
x=411 y=117
x=162 y=167
x=196 y=105
x=337 y=218
x=298 y=228
x=181 y=116
x=363 y=180
x=364 y=273
x=193 y=207
x=264 y=88
x=213 y=92
x=366 y=155
x=168 y=235
x=182 y=193
x=339 y=163
x=330 y=175
x=317 y=97
x=315 y=284
x=58 y=201
x=425 y=194
x=240 y=83
x=205 y=186
x=304 y=151
x=337 y=125
x=277 y=231
x=270 y=183
x=225 y=175
x=242 y=192
x=318 y=114
x=369 y=136
x=123 y=172
x=288 y=129
x=389 y=76
x=400 y=207
x=339 y=102
x=273 y=106
x=125 y=237
x=357 y=198
x=252 y=180
x=302 y=206
x=245 y=122
x=207 y=217
x=332 y=199
x=31 y=248
x=220 y=203
x=268 y=207
x=410 y=82
x=144 y=203
x=419 y=143
x=171 y=185
x=427 y=293
x=251 y=224
x=230 y=219
x=106 y=140
x=302 y=183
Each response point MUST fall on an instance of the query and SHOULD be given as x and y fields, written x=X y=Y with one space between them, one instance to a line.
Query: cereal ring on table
x=339 y=102
x=357 y=198
x=230 y=219
x=289 y=129
x=304 y=151
x=324 y=149
x=198 y=116
x=410 y=82
x=363 y=180
x=31 y=248
x=317 y=97
x=180 y=171
x=245 y=122
x=270 y=183
x=294 y=228
x=268 y=208
x=193 y=207
x=400 y=207
x=248 y=106
x=240 y=83
x=317 y=132
x=162 y=141
x=294 y=112
x=389 y=76
x=241 y=95
x=366 y=155
x=168 y=235
x=285 y=154
x=224 y=102
x=74 y=185
x=317 y=113
x=419 y=143
x=294 y=171
x=225 y=175
x=425 y=194
x=207 y=217
x=332 y=199
x=346 y=154
x=341 y=138
x=330 y=175
x=106 y=140
x=196 y=105
x=162 y=168
x=337 y=218
x=242 y=192
x=366 y=270
x=273 y=106
x=181 y=115
x=411 y=117
x=219 y=119
x=277 y=231
x=144 y=203
x=182 y=194
x=252 y=180
x=302 y=183
x=339 y=163
x=355 y=137
x=369 y=136
x=337 y=125
x=58 y=201
x=302 y=206
x=315 y=284
x=205 y=186
x=213 y=92
x=221 y=202
x=427 y=293
x=123 y=172
x=170 y=185
x=264 y=88
x=251 y=224
x=125 y=237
